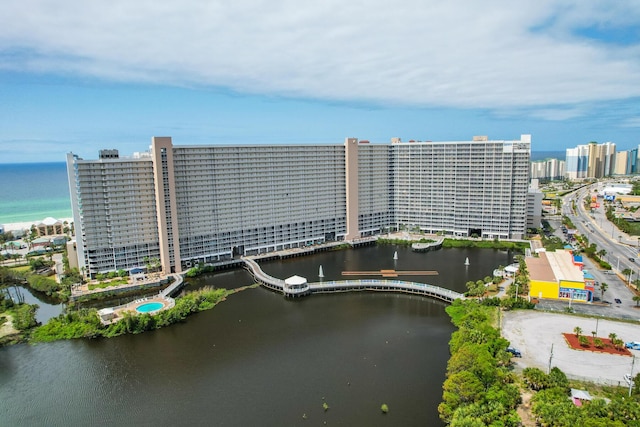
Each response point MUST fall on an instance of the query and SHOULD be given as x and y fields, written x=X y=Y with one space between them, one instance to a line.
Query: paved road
x=603 y=305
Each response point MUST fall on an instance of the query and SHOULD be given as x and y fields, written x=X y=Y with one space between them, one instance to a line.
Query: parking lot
x=538 y=336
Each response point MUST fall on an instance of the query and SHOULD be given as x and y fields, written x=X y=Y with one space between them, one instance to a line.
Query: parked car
x=632 y=259
x=514 y=351
x=618 y=301
x=633 y=345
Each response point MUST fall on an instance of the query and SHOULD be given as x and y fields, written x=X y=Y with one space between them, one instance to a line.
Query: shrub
x=43 y=284
x=24 y=316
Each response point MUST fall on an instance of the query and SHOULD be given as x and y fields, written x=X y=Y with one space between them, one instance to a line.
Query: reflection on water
x=258 y=358
x=47 y=307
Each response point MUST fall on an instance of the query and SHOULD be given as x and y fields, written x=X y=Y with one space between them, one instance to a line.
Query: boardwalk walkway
x=280 y=285
x=177 y=283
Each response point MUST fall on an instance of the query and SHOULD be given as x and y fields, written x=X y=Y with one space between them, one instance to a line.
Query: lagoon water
x=258 y=359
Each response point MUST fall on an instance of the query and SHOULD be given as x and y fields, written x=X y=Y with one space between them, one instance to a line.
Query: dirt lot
x=7 y=327
x=534 y=333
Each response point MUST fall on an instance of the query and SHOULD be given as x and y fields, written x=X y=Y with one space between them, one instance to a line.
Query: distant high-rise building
x=185 y=205
x=632 y=161
x=549 y=169
x=590 y=161
x=621 y=166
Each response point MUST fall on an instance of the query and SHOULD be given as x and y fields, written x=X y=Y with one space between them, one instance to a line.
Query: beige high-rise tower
x=166 y=209
x=351 y=174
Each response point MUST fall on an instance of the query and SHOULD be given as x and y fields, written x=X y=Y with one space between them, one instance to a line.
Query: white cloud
x=492 y=54
x=633 y=122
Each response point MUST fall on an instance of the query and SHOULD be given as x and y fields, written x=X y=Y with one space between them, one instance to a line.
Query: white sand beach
x=26 y=225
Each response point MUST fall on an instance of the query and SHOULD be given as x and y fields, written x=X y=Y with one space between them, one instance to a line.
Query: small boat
x=466 y=261
x=320 y=273
x=395 y=255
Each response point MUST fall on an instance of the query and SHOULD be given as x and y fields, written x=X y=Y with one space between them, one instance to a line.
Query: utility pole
x=633 y=361
x=550 y=358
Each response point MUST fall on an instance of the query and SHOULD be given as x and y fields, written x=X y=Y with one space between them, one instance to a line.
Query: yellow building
x=555 y=275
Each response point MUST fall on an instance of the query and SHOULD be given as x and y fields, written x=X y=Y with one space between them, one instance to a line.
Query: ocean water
x=33 y=191
x=542 y=155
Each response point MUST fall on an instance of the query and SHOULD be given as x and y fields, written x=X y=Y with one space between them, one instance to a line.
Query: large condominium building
x=591 y=161
x=549 y=169
x=185 y=205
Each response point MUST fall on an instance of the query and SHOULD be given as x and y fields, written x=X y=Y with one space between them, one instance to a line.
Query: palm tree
x=578 y=331
x=636 y=298
x=618 y=343
x=613 y=337
x=602 y=253
x=603 y=289
x=627 y=272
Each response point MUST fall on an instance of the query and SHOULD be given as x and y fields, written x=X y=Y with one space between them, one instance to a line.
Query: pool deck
x=142 y=281
x=111 y=315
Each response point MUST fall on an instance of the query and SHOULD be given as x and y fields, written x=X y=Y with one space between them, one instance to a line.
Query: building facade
x=577 y=162
x=591 y=161
x=559 y=275
x=184 y=205
x=549 y=169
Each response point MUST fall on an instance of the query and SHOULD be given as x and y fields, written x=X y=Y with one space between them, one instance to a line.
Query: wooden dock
x=383 y=285
x=391 y=273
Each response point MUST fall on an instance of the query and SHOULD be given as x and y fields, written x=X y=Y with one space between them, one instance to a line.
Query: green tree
x=557 y=378
x=613 y=337
x=578 y=331
x=535 y=378
x=618 y=343
x=480 y=287
x=459 y=389
x=636 y=298
x=603 y=289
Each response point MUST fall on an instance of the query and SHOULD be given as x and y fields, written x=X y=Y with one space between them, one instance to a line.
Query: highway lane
x=618 y=253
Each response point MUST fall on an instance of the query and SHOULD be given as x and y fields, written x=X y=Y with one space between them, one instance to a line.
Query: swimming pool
x=149 y=307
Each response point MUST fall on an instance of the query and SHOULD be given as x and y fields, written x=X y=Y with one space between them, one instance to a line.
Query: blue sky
x=84 y=75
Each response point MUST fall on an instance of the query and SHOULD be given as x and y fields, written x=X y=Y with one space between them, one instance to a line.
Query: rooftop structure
x=558 y=275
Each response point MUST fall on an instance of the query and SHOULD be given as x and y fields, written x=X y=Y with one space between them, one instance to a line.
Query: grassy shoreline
x=84 y=323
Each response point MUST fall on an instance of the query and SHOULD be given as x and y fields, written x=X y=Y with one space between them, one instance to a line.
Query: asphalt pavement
x=539 y=337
